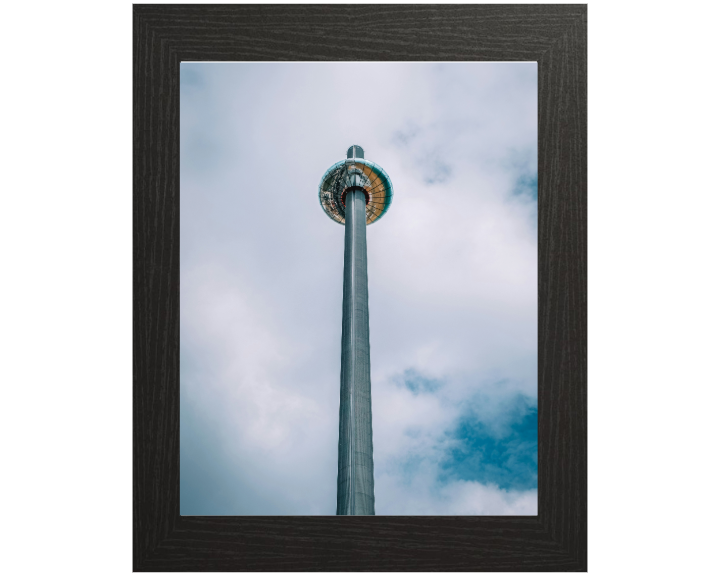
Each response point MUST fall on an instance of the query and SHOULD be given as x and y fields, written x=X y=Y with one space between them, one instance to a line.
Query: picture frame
x=555 y=36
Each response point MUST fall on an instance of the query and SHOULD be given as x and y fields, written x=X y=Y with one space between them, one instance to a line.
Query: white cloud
x=419 y=493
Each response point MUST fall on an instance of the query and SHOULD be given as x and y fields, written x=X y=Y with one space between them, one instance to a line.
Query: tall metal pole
x=356 y=485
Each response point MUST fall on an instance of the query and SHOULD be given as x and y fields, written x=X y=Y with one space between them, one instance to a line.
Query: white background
x=65 y=227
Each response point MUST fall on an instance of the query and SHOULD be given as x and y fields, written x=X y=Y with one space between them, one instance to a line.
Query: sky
x=452 y=280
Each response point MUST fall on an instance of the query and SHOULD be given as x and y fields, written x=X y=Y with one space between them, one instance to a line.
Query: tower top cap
x=355 y=151
x=355 y=173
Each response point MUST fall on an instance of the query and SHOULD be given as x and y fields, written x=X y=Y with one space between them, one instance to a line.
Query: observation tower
x=355 y=192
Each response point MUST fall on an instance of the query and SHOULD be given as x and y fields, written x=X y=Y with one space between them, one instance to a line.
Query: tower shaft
x=356 y=485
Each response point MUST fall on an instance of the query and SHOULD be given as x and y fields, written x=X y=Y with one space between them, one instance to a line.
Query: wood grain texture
x=553 y=35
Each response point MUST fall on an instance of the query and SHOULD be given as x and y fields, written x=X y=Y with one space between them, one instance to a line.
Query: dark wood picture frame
x=555 y=36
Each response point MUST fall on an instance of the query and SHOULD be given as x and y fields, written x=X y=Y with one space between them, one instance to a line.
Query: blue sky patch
x=507 y=459
x=417 y=383
x=522 y=165
x=527 y=185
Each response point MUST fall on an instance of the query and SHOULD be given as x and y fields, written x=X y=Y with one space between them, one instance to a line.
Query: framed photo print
x=360 y=335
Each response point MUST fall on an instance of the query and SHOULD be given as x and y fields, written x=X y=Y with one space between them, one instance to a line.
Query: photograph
x=358 y=288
